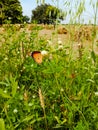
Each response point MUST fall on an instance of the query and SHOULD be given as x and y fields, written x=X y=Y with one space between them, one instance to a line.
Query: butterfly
x=37 y=56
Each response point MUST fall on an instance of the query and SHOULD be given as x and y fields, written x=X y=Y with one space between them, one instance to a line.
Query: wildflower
x=59 y=41
x=79 y=45
x=60 y=47
x=5 y=91
x=89 y=57
x=15 y=110
x=21 y=70
x=18 y=52
x=34 y=96
x=96 y=93
x=30 y=104
x=24 y=67
x=44 y=53
x=5 y=58
x=27 y=56
x=18 y=87
x=62 y=90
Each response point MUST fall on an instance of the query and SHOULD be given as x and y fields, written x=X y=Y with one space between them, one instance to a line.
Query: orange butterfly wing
x=37 y=56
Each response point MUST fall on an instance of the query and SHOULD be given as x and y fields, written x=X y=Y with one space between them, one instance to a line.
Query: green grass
x=68 y=84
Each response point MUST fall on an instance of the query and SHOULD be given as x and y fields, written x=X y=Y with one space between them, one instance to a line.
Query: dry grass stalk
x=83 y=33
x=41 y=99
x=43 y=106
x=62 y=30
x=80 y=49
x=25 y=96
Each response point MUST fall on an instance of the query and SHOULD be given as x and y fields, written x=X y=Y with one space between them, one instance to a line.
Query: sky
x=86 y=17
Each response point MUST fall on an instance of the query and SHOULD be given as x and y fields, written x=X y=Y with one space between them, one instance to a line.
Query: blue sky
x=88 y=15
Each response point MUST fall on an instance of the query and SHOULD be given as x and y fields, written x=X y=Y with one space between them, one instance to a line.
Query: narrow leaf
x=93 y=56
x=2 y=124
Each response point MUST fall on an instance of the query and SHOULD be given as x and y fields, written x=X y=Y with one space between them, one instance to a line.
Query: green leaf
x=57 y=119
x=3 y=83
x=90 y=80
x=93 y=56
x=28 y=118
x=4 y=95
x=80 y=126
x=2 y=124
x=14 y=85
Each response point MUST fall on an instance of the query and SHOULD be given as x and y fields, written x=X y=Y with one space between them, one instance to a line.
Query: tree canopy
x=10 y=10
x=46 y=13
x=26 y=19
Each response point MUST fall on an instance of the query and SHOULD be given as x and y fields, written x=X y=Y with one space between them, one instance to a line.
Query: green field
x=61 y=93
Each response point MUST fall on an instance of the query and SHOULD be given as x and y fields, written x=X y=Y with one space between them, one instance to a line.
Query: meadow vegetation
x=61 y=93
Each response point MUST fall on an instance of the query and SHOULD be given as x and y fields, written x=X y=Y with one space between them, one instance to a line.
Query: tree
x=26 y=19
x=11 y=10
x=46 y=13
x=1 y=12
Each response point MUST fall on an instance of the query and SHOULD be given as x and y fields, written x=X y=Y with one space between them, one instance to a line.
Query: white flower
x=18 y=52
x=18 y=87
x=79 y=44
x=15 y=110
x=89 y=57
x=96 y=93
x=34 y=96
x=60 y=42
x=24 y=67
x=44 y=53
x=60 y=47
x=30 y=104
x=62 y=90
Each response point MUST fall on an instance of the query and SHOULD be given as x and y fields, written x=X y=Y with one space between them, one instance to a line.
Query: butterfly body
x=37 y=56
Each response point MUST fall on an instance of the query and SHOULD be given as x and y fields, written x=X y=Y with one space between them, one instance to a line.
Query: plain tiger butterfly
x=37 y=56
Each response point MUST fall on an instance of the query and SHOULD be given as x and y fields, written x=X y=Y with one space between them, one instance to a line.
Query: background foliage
x=11 y=10
x=46 y=13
